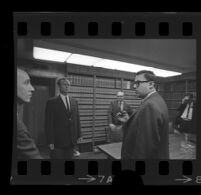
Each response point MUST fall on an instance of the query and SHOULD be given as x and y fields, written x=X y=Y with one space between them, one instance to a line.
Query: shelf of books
x=94 y=100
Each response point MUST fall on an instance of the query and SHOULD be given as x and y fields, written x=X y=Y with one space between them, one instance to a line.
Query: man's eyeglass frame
x=137 y=83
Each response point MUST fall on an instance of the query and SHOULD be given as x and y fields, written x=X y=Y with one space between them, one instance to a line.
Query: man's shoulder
x=52 y=100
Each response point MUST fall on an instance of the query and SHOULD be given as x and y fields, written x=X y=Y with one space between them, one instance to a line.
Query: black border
x=194 y=17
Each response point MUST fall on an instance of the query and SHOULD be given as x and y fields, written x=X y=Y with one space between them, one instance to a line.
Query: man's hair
x=149 y=75
x=120 y=92
x=20 y=69
x=190 y=95
x=61 y=79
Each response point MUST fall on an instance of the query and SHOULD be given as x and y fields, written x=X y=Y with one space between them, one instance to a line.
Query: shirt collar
x=148 y=95
x=63 y=96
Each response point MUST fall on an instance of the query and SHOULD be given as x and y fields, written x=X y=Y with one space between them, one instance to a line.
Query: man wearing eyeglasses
x=146 y=131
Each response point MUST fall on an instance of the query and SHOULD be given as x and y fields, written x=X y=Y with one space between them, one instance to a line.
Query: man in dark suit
x=26 y=147
x=117 y=108
x=62 y=122
x=146 y=131
x=186 y=118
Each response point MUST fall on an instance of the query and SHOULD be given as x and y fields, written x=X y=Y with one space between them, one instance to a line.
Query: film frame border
x=117 y=25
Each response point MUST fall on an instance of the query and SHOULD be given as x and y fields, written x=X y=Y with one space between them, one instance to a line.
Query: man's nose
x=32 y=88
x=134 y=86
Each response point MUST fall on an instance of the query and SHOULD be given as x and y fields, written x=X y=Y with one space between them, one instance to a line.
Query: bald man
x=116 y=109
x=26 y=147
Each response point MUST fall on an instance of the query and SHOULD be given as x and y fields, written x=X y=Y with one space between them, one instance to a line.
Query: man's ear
x=151 y=84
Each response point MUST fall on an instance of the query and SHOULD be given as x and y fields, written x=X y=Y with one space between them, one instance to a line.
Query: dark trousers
x=186 y=126
x=62 y=153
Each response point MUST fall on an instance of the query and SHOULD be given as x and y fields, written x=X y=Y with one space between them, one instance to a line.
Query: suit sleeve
x=148 y=137
x=129 y=110
x=25 y=144
x=181 y=108
x=49 y=126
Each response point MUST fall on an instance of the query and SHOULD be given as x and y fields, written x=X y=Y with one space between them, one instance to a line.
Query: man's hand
x=112 y=126
x=79 y=140
x=51 y=146
x=184 y=99
x=124 y=118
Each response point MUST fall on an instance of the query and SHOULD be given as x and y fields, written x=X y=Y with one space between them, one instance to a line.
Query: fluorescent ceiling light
x=128 y=67
x=49 y=54
x=82 y=59
x=60 y=56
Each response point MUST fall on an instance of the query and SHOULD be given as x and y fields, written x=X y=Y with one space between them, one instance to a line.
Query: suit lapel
x=61 y=104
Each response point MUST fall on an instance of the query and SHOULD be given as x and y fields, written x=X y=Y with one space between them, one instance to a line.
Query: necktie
x=121 y=106
x=67 y=105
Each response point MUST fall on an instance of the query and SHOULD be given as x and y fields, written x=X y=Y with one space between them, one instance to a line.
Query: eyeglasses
x=137 y=83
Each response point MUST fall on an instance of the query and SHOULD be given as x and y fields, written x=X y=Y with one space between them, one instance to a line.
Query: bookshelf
x=94 y=88
x=94 y=94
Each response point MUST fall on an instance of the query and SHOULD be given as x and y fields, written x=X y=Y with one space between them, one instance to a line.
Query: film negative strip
x=127 y=37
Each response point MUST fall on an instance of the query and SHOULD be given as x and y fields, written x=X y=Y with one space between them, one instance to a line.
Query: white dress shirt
x=64 y=100
x=148 y=95
x=188 y=112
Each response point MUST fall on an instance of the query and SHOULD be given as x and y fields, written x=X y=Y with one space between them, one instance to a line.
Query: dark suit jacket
x=26 y=148
x=180 y=112
x=146 y=132
x=114 y=109
x=62 y=128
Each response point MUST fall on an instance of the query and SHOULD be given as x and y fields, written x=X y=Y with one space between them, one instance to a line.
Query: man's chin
x=27 y=100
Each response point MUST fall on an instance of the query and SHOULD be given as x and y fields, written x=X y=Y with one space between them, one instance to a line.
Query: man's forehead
x=120 y=94
x=65 y=81
x=22 y=75
x=140 y=76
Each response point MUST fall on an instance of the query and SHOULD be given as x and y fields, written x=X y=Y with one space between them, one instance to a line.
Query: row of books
x=98 y=122
x=166 y=95
x=164 y=87
x=90 y=129
x=173 y=104
x=104 y=102
x=90 y=112
x=87 y=112
x=127 y=85
x=84 y=89
x=80 y=80
x=88 y=140
x=81 y=89
x=106 y=91
x=90 y=134
x=177 y=86
x=102 y=124
x=91 y=118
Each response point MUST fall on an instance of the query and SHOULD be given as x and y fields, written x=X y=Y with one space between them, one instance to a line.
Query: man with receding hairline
x=117 y=108
x=146 y=131
x=26 y=148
